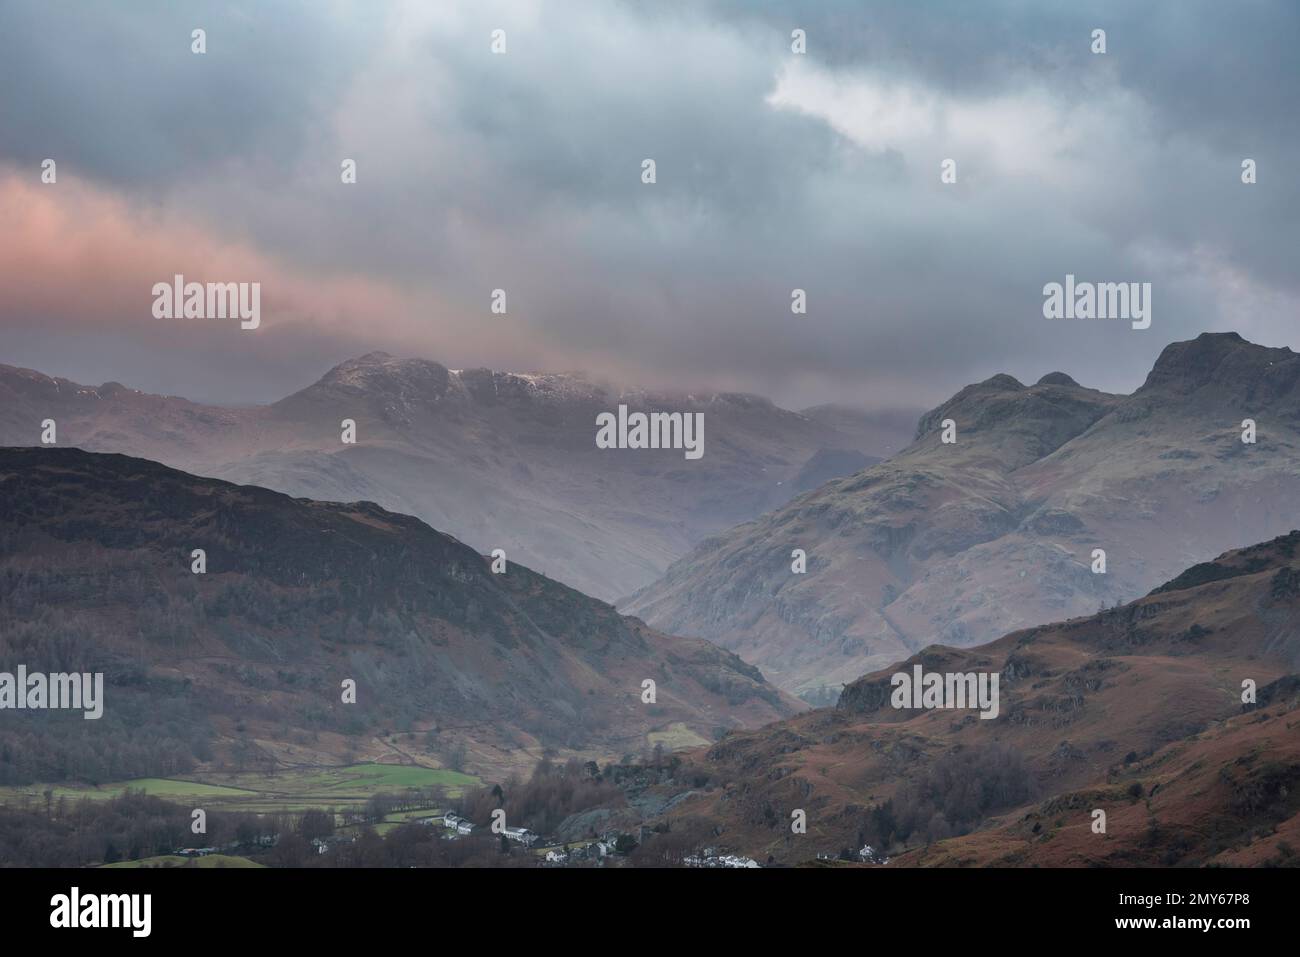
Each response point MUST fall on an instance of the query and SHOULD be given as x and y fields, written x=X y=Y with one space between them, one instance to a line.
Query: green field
x=301 y=788
x=290 y=790
x=403 y=816
x=676 y=737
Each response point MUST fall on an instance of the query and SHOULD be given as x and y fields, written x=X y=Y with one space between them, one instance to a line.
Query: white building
x=456 y=823
x=521 y=834
x=868 y=855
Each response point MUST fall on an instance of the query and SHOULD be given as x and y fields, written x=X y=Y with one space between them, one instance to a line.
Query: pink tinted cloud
x=74 y=255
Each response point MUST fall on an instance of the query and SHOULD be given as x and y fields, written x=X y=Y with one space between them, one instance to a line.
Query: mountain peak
x=380 y=371
x=1057 y=378
x=1226 y=362
x=1018 y=423
x=396 y=387
x=1001 y=381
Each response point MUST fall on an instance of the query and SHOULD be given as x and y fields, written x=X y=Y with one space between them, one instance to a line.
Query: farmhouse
x=454 y=822
x=868 y=855
x=521 y=834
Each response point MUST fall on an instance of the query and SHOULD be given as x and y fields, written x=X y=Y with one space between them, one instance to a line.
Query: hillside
x=242 y=666
x=1136 y=710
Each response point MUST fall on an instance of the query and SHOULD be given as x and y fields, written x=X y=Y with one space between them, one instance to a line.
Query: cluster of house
x=712 y=857
x=577 y=853
x=608 y=845
x=458 y=826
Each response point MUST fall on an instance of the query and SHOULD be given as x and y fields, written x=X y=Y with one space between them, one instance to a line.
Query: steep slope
x=1136 y=710
x=500 y=460
x=957 y=543
x=244 y=664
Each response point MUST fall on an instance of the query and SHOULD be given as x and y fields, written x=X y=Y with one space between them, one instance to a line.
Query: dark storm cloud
x=114 y=90
x=774 y=172
x=1220 y=76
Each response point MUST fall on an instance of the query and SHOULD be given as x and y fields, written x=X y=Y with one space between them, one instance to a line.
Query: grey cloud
x=113 y=90
x=523 y=172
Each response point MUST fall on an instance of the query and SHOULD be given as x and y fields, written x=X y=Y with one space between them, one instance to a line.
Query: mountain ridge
x=499 y=459
x=958 y=543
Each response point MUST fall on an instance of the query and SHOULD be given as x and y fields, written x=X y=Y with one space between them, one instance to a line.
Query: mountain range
x=497 y=459
x=1172 y=707
x=959 y=542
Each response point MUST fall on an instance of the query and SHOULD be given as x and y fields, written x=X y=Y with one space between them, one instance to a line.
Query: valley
x=472 y=684
x=495 y=459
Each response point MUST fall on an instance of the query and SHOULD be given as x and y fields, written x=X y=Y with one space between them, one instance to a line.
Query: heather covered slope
x=1136 y=710
x=242 y=666
x=500 y=460
x=1225 y=797
x=959 y=543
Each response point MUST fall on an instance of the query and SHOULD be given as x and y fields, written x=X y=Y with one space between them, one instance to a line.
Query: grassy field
x=676 y=736
x=291 y=790
x=172 y=860
x=353 y=781
x=403 y=816
x=166 y=788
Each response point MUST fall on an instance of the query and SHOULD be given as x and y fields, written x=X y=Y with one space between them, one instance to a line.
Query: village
x=611 y=845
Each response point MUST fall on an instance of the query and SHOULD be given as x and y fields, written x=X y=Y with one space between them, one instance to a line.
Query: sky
x=522 y=171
